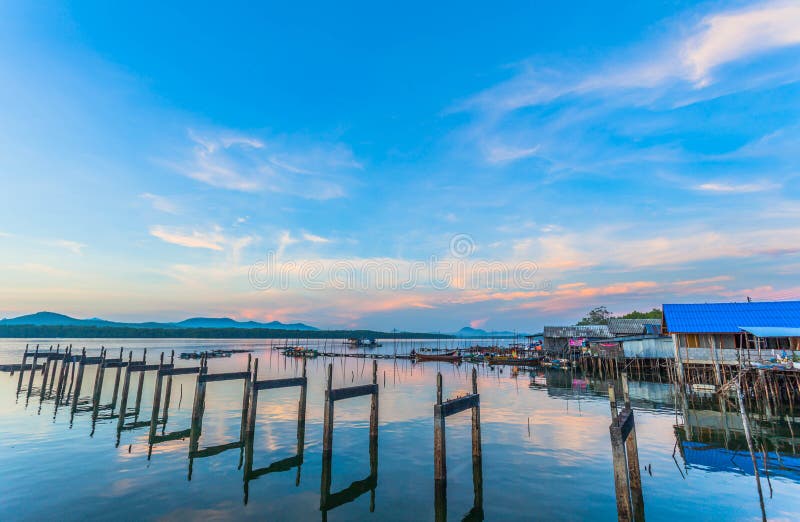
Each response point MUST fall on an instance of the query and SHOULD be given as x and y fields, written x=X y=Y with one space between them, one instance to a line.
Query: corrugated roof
x=630 y=326
x=728 y=317
x=771 y=331
x=596 y=330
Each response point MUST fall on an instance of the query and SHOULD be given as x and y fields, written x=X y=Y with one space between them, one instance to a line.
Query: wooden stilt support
x=627 y=476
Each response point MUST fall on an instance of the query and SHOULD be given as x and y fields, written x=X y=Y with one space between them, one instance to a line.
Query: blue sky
x=163 y=162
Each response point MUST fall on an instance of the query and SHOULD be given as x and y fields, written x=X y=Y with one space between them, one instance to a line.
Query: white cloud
x=212 y=240
x=732 y=188
x=72 y=246
x=504 y=153
x=313 y=238
x=729 y=36
x=312 y=171
x=160 y=203
x=690 y=54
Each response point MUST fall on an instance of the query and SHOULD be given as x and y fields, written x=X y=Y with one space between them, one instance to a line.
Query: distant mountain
x=54 y=319
x=226 y=322
x=468 y=331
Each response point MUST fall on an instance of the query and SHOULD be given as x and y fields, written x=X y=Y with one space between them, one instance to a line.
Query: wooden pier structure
x=442 y=410
x=328 y=500
x=296 y=460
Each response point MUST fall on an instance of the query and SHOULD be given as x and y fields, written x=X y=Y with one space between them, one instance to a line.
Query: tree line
x=601 y=315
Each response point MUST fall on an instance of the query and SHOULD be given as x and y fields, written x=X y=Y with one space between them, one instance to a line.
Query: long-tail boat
x=448 y=356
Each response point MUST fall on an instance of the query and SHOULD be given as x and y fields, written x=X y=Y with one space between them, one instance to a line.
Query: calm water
x=546 y=449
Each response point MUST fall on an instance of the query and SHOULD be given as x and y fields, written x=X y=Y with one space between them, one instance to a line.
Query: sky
x=413 y=167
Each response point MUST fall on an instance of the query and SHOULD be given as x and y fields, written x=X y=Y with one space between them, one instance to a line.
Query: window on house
x=692 y=341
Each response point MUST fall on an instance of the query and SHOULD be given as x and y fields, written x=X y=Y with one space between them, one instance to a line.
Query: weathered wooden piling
x=627 y=476
x=156 y=398
x=333 y=395
x=199 y=407
x=290 y=462
x=22 y=369
x=78 y=380
x=442 y=410
x=329 y=501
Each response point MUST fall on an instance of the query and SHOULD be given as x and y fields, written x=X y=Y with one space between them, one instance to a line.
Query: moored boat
x=447 y=357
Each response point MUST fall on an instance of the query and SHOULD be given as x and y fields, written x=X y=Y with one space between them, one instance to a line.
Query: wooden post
x=116 y=383
x=45 y=374
x=98 y=379
x=632 y=451
x=78 y=380
x=123 y=404
x=477 y=452
x=373 y=412
x=197 y=408
x=22 y=369
x=439 y=450
x=621 y=487
x=251 y=416
x=327 y=429
x=33 y=370
x=156 y=399
x=53 y=374
x=678 y=360
x=168 y=392
x=248 y=389
x=138 y=403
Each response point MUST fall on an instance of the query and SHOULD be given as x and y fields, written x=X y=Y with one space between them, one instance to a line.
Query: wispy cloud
x=247 y=164
x=691 y=54
x=313 y=238
x=72 y=246
x=729 y=36
x=160 y=203
x=210 y=239
x=504 y=153
x=733 y=188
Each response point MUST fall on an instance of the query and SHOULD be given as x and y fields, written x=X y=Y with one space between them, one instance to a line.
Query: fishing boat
x=452 y=356
x=512 y=361
x=299 y=351
x=355 y=342
x=213 y=354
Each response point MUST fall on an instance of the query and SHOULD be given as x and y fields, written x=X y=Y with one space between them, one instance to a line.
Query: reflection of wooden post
x=620 y=465
x=373 y=412
x=632 y=450
x=327 y=428
x=156 y=399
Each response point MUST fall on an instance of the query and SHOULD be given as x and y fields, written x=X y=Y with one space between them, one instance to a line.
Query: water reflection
x=545 y=437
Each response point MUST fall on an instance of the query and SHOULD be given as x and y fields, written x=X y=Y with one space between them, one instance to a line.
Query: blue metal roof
x=772 y=331
x=729 y=317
